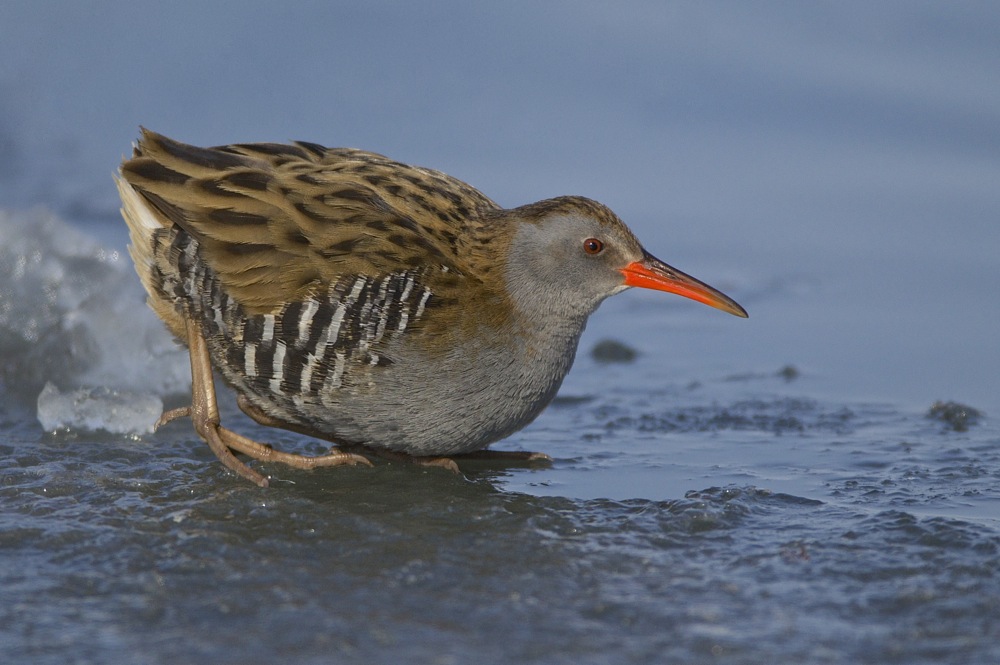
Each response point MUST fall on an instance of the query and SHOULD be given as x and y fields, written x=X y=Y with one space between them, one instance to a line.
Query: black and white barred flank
x=307 y=350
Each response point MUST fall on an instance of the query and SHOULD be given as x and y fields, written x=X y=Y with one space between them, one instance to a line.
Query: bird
x=390 y=309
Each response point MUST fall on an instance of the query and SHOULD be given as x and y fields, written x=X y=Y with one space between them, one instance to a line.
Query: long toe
x=213 y=435
x=171 y=415
x=266 y=453
x=505 y=456
x=445 y=463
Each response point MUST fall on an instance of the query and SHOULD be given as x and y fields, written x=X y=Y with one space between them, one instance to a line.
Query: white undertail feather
x=142 y=222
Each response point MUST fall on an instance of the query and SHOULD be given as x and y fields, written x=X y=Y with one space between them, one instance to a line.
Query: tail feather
x=142 y=224
x=146 y=230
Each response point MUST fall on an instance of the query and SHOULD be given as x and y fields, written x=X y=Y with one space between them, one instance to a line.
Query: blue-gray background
x=850 y=149
x=834 y=166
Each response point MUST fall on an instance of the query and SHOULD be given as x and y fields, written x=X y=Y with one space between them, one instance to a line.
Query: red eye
x=593 y=246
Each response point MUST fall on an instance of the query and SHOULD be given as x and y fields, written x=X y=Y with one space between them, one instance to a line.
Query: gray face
x=566 y=264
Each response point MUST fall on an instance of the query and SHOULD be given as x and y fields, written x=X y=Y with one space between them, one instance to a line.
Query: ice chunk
x=93 y=409
x=73 y=312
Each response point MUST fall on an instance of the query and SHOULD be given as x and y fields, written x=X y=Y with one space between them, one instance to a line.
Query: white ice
x=95 y=409
x=73 y=317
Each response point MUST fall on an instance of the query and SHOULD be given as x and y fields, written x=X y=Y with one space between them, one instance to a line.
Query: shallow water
x=768 y=529
x=776 y=490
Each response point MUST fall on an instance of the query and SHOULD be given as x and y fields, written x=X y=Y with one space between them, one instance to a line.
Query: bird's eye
x=593 y=246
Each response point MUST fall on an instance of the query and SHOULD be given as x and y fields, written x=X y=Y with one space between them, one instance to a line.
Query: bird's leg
x=204 y=413
x=204 y=409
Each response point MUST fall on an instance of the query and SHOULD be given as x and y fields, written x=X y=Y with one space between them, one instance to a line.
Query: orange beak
x=652 y=273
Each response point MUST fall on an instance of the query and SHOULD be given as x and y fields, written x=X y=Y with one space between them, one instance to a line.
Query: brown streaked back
x=278 y=222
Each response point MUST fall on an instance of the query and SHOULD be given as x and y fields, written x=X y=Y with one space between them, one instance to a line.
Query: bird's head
x=570 y=253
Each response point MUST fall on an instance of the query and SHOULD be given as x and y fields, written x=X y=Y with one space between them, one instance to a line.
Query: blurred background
x=835 y=166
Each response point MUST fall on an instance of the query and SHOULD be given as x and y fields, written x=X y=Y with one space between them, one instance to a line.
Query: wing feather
x=280 y=222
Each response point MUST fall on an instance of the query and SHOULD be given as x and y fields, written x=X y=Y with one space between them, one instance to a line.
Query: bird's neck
x=549 y=342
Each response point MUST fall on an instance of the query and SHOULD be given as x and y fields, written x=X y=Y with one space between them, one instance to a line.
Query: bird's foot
x=396 y=456
x=262 y=451
x=215 y=435
x=171 y=415
x=204 y=414
x=505 y=456
x=451 y=463
x=446 y=463
x=266 y=453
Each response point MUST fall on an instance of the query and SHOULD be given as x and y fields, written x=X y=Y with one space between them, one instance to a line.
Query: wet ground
x=754 y=526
